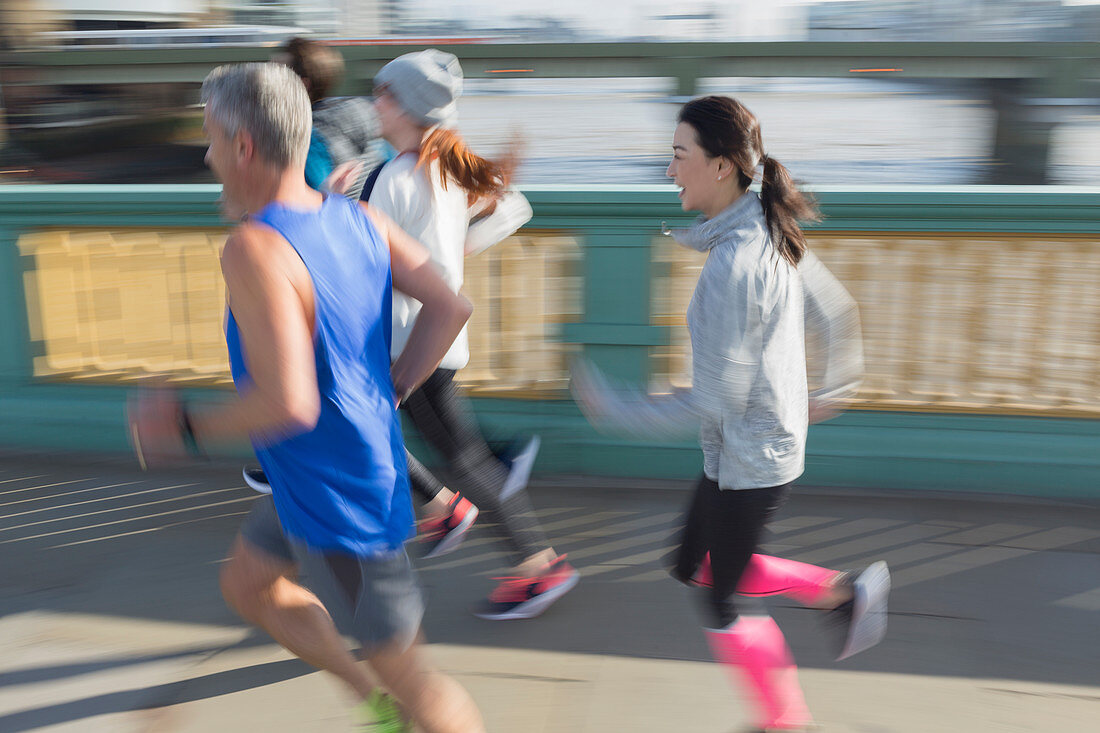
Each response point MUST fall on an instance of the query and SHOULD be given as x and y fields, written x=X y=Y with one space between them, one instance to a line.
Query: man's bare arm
x=265 y=292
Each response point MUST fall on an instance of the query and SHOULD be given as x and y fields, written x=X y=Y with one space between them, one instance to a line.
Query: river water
x=619 y=131
x=827 y=131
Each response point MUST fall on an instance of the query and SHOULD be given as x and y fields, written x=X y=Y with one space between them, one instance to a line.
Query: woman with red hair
x=457 y=203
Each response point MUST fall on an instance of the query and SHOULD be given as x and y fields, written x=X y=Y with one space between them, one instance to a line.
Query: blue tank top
x=343 y=485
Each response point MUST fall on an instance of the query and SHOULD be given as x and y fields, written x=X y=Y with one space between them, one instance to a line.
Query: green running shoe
x=380 y=714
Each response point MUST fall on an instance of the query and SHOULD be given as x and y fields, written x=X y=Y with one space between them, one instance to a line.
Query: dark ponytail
x=784 y=207
x=725 y=128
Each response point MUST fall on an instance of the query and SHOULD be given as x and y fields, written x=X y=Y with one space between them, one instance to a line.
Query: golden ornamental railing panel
x=989 y=323
x=126 y=304
x=523 y=290
x=133 y=304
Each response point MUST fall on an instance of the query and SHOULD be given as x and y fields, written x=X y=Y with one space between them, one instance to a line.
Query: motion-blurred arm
x=494 y=220
x=832 y=320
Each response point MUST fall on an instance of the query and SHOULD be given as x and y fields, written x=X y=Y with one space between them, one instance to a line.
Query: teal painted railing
x=1041 y=450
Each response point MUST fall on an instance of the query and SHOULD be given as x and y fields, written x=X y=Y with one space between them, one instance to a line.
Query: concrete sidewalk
x=111 y=619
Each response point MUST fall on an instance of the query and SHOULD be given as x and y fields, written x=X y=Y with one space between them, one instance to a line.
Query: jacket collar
x=741 y=216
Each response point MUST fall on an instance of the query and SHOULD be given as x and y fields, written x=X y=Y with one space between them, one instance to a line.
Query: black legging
x=728 y=524
x=421 y=479
x=442 y=416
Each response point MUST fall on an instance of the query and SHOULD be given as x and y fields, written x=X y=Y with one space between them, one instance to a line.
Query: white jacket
x=747 y=320
x=440 y=219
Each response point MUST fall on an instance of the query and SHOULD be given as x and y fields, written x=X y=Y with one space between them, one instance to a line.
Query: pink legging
x=753 y=648
x=727 y=526
x=766 y=575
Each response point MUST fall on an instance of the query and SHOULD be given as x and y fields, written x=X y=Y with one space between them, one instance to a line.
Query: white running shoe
x=520 y=472
x=867 y=624
x=255 y=477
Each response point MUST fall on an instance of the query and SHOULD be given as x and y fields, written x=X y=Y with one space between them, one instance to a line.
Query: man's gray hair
x=268 y=101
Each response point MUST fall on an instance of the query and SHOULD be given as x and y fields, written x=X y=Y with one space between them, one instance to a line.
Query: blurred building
x=50 y=120
x=944 y=20
x=684 y=25
x=20 y=19
x=1084 y=23
x=343 y=18
x=92 y=15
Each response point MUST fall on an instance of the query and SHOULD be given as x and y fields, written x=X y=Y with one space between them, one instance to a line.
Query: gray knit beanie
x=427 y=85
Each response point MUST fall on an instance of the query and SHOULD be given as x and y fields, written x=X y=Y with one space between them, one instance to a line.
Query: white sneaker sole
x=454 y=538
x=535 y=606
x=521 y=468
x=872 y=591
x=255 y=485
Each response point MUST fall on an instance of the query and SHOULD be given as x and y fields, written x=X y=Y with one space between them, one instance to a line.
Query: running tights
x=422 y=480
x=443 y=417
x=728 y=524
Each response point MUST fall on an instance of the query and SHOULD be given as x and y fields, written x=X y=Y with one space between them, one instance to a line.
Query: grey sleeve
x=631 y=412
x=832 y=322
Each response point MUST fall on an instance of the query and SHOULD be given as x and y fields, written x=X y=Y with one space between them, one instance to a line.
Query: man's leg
x=257 y=583
x=377 y=600
x=435 y=701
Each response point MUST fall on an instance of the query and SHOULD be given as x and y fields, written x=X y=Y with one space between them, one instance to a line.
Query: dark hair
x=724 y=128
x=476 y=175
x=319 y=66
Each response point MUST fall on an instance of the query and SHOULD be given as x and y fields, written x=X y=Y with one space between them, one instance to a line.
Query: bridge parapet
x=980 y=308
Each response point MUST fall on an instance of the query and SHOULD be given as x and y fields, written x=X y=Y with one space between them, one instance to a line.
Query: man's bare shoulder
x=252 y=238
x=251 y=245
x=378 y=218
x=257 y=262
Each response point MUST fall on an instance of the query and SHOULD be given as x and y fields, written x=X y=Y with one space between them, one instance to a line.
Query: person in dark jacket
x=345 y=129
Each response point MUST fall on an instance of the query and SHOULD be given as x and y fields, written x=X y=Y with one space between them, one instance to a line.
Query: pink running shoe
x=518 y=597
x=444 y=534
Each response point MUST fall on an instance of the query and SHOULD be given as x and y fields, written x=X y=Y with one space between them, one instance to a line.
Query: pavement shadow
x=156 y=696
x=990 y=587
x=52 y=672
x=984 y=587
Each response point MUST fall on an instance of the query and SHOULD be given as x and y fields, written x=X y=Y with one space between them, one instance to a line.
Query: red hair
x=477 y=176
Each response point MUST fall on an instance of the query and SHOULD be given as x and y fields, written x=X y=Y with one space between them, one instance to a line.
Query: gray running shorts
x=374 y=599
x=262 y=530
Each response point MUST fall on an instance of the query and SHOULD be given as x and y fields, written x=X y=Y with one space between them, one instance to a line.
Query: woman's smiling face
x=693 y=171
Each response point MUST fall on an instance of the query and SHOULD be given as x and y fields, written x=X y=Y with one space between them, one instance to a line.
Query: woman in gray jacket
x=750 y=399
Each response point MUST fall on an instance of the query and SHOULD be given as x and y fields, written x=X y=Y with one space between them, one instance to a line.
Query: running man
x=308 y=330
x=346 y=132
x=344 y=128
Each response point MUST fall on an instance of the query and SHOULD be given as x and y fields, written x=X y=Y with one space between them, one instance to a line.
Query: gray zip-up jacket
x=747 y=319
